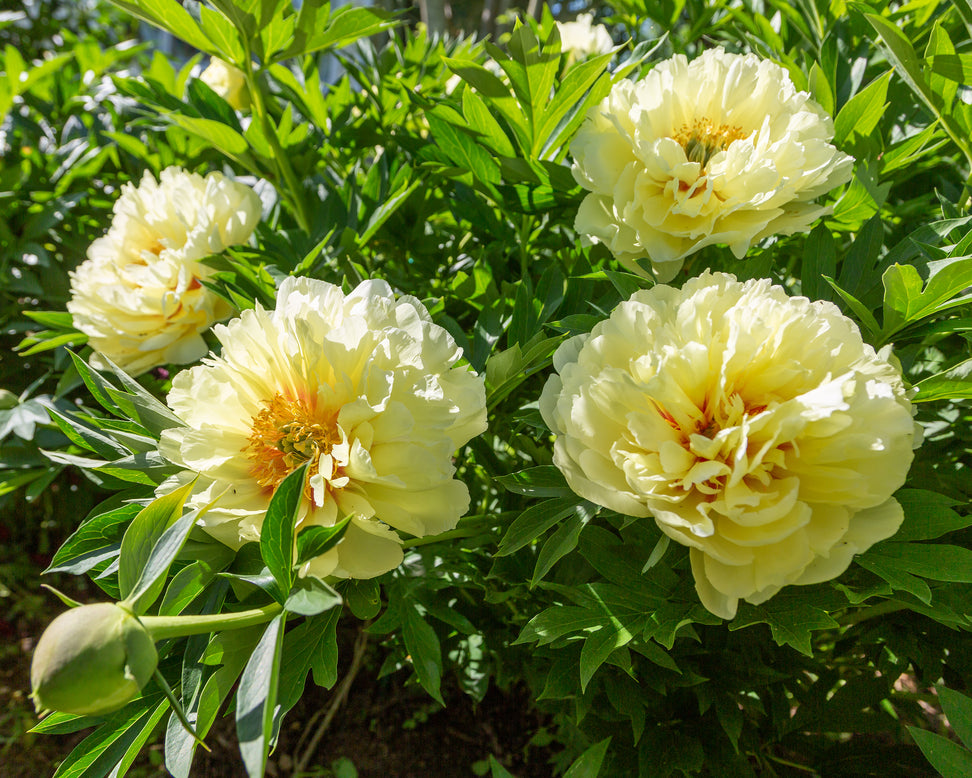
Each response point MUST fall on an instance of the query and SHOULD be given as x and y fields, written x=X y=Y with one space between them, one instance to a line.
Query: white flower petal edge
x=582 y=38
x=720 y=150
x=757 y=429
x=363 y=386
x=138 y=296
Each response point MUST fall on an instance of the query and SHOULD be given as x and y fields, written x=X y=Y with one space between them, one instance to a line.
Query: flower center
x=703 y=139
x=286 y=434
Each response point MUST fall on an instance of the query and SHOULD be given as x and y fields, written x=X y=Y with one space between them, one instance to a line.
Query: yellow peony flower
x=757 y=429
x=364 y=387
x=582 y=38
x=719 y=150
x=228 y=82
x=138 y=296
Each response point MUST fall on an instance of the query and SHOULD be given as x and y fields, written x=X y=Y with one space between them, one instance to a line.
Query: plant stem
x=286 y=173
x=872 y=612
x=162 y=627
x=461 y=532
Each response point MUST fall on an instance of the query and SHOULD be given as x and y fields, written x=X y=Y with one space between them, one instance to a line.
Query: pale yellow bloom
x=722 y=150
x=138 y=296
x=582 y=38
x=363 y=386
x=757 y=429
x=228 y=82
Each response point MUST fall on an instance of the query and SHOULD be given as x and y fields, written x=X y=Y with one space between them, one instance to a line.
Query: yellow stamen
x=286 y=434
x=702 y=139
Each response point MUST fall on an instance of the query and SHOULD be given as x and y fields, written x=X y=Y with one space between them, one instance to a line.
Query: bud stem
x=162 y=627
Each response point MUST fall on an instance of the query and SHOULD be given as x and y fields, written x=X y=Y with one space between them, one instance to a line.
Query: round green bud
x=91 y=660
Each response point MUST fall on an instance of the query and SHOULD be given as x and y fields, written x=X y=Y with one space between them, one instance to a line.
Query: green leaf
x=557 y=622
x=110 y=744
x=861 y=114
x=819 y=262
x=598 y=647
x=94 y=541
x=231 y=650
x=216 y=134
x=950 y=759
x=863 y=314
x=496 y=770
x=156 y=567
x=958 y=709
x=936 y=561
x=791 y=619
x=318 y=29
x=910 y=68
x=144 y=532
x=277 y=532
x=928 y=515
x=316 y=540
x=256 y=698
x=310 y=596
x=481 y=120
x=311 y=644
x=168 y=15
x=952 y=384
x=461 y=149
x=557 y=546
x=900 y=580
x=185 y=586
x=422 y=645
x=588 y=764
x=542 y=481
x=583 y=86
x=533 y=522
x=363 y=597
x=905 y=301
x=387 y=208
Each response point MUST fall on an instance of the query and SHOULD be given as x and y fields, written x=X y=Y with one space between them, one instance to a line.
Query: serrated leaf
x=790 y=617
x=310 y=596
x=928 y=515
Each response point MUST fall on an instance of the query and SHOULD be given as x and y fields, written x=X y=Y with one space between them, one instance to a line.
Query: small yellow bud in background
x=91 y=660
x=228 y=82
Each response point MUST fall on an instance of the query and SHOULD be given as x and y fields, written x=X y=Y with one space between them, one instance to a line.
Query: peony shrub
x=422 y=411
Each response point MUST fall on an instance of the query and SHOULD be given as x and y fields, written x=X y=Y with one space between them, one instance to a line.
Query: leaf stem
x=162 y=627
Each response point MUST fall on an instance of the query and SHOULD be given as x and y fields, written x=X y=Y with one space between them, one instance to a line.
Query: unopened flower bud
x=91 y=660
